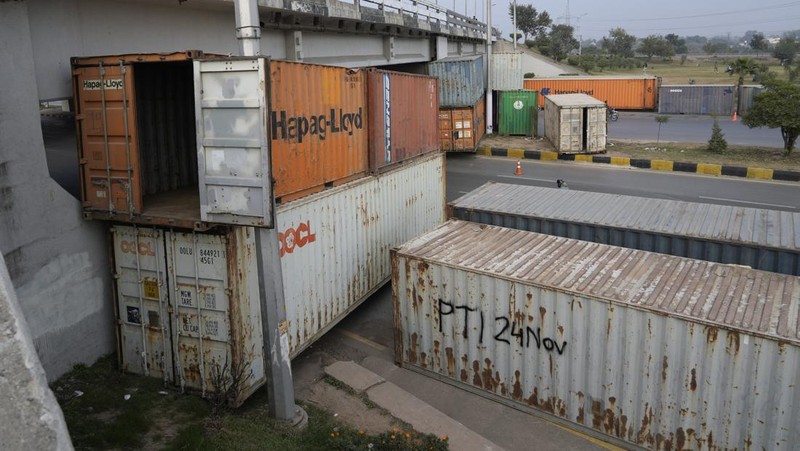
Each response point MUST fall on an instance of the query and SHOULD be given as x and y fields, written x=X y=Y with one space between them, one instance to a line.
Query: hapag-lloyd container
x=318 y=125
x=768 y=240
x=460 y=129
x=621 y=92
x=403 y=117
x=652 y=350
x=335 y=245
x=575 y=123
x=696 y=99
x=461 y=80
x=188 y=308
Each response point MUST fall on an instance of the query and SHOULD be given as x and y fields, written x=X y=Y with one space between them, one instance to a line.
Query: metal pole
x=489 y=124
x=515 y=25
x=280 y=385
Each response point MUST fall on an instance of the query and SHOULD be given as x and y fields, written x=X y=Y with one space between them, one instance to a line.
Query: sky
x=594 y=18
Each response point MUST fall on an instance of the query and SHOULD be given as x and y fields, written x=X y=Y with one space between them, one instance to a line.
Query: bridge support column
x=388 y=48
x=294 y=45
x=441 y=47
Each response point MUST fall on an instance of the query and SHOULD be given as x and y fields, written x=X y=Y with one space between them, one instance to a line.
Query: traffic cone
x=519 y=169
x=735 y=116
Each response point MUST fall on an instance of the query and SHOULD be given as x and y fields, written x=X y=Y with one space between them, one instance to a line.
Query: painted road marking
x=362 y=340
x=746 y=202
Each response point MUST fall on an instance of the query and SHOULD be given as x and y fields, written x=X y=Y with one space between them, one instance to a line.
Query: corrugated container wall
x=575 y=123
x=646 y=349
x=403 y=117
x=318 y=125
x=746 y=96
x=461 y=129
x=761 y=239
x=696 y=99
x=519 y=113
x=507 y=71
x=188 y=308
x=461 y=80
x=335 y=245
x=623 y=93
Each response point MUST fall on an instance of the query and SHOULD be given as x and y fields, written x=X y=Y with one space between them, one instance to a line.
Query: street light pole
x=515 y=25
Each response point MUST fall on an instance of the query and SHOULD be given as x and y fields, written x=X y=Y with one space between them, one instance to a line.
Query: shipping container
x=761 y=239
x=621 y=92
x=461 y=80
x=403 y=117
x=188 y=308
x=318 y=125
x=639 y=348
x=507 y=71
x=461 y=129
x=746 y=95
x=335 y=244
x=575 y=123
x=696 y=99
x=518 y=113
x=139 y=145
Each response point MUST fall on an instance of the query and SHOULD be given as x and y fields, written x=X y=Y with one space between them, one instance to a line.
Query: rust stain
x=664 y=366
x=476 y=374
x=644 y=436
x=542 y=312
x=733 y=342
x=550 y=356
x=517 y=393
x=680 y=439
x=533 y=399
x=437 y=354
x=608 y=327
x=693 y=383
x=412 y=349
x=464 y=375
x=451 y=361
x=581 y=412
x=597 y=414
x=710 y=440
x=423 y=359
x=561 y=330
x=711 y=334
x=422 y=268
x=624 y=432
x=649 y=327
x=489 y=382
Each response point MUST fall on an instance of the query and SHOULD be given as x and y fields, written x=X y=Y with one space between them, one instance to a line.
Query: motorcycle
x=613 y=114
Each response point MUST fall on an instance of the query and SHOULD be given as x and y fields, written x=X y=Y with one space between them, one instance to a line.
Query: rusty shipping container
x=188 y=307
x=403 y=117
x=335 y=245
x=696 y=99
x=641 y=348
x=461 y=129
x=621 y=92
x=138 y=140
x=461 y=80
x=575 y=123
x=507 y=71
x=758 y=238
x=318 y=125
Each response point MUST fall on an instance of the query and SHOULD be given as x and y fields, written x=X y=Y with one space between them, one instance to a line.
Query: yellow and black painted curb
x=658 y=165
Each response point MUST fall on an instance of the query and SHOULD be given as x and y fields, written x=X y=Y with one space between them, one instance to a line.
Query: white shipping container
x=575 y=123
x=195 y=298
x=648 y=349
x=335 y=246
x=507 y=71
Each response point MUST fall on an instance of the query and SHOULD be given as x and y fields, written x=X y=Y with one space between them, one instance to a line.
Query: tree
x=661 y=120
x=717 y=143
x=561 y=41
x=678 y=44
x=655 y=45
x=515 y=36
x=619 y=43
x=778 y=106
x=759 y=43
x=529 y=21
x=742 y=66
x=786 y=50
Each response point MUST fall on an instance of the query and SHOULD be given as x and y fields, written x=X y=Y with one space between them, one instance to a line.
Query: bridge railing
x=426 y=10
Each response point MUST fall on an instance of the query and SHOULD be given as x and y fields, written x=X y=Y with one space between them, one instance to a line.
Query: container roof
x=577 y=100
x=726 y=296
x=597 y=77
x=457 y=58
x=747 y=226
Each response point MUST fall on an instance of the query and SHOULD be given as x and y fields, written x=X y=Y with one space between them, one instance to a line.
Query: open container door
x=233 y=158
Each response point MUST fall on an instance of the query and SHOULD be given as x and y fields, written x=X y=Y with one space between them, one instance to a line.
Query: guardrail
x=426 y=10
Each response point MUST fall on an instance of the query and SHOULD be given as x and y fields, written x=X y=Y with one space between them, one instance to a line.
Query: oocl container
x=507 y=71
x=696 y=99
x=188 y=308
x=461 y=80
x=575 y=123
x=518 y=113
x=460 y=129
x=647 y=349
x=403 y=117
x=621 y=92
x=758 y=238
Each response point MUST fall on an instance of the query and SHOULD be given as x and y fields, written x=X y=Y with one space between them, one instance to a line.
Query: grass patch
x=697 y=68
x=159 y=418
x=764 y=157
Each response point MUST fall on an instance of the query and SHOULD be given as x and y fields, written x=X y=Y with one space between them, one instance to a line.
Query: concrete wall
x=56 y=261
x=30 y=417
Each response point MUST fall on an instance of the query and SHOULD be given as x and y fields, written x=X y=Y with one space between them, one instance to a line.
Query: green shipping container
x=518 y=112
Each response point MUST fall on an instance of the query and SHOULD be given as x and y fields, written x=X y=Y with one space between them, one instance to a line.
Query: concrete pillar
x=388 y=48
x=294 y=45
x=441 y=47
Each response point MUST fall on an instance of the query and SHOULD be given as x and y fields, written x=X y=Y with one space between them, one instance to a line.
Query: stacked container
x=696 y=99
x=190 y=171
x=461 y=99
x=575 y=123
x=507 y=71
x=621 y=92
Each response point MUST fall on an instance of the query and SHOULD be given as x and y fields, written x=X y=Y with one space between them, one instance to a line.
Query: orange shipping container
x=403 y=109
x=318 y=127
x=460 y=129
x=621 y=92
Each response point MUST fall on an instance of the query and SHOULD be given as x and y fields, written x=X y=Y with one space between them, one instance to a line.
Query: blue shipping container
x=461 y=80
